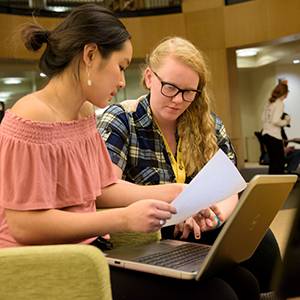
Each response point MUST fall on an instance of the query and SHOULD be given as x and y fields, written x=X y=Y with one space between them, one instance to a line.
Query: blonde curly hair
x=196 y=126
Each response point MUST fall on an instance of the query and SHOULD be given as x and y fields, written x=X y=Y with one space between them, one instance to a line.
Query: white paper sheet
x=216 y=181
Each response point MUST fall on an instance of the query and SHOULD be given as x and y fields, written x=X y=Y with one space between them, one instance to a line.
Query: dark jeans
x=132 y=285
x=262 y=262
x=275 y=150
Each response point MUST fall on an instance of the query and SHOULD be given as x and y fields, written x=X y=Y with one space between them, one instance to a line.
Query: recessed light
x=296 y=61
x=12 y=80
x=247 y=52
x=58 y=8
x=4 y=96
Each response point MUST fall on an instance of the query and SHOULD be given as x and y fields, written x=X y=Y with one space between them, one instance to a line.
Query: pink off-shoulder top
x=61 y=165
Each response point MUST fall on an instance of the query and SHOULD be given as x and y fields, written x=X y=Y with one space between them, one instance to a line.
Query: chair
x=54 y=272
x=134 y=238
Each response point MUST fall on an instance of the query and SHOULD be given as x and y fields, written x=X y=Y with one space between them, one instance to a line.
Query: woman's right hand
x=147 y=215
x=287 y=118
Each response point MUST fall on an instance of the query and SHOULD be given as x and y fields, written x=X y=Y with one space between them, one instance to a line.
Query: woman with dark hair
x=55 y=168
x=272 y=124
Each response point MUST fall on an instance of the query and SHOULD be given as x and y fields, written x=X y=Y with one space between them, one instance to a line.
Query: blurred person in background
x=272 y=124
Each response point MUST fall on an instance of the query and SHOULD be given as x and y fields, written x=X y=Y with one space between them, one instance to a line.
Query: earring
x=89 y=81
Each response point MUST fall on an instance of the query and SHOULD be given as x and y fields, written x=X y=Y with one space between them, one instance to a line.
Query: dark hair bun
x=34 y=37
x=88 y=23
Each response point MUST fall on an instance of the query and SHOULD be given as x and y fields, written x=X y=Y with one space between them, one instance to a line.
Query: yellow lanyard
x=177 y=166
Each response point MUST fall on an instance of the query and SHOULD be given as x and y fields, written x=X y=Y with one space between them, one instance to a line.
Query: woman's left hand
x=186 y=227
x=213 y=217
x=209 y=218
x=205 y=220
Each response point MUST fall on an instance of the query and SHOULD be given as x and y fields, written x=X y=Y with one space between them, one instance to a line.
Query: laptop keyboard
x=179 y=256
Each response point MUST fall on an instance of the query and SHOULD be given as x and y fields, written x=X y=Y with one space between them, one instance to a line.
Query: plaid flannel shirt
x=136 y=146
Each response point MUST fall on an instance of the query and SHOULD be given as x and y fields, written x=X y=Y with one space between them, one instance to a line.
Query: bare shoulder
x=29 y=108
x=33 y=107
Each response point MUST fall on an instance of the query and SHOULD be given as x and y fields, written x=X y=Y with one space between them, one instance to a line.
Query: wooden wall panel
x=245 y=23
x=284 y=18
x=219 y=85
x=205 y=21
x=194 y=5
x=11 y=44
x=148 y=31
x=236 y=133
x=206 y=28
x=260 y=21
x=145 y=31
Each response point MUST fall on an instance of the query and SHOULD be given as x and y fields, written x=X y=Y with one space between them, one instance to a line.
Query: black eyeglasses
x=170 y=90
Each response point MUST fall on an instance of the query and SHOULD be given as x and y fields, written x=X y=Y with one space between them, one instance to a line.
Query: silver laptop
x=241 y=234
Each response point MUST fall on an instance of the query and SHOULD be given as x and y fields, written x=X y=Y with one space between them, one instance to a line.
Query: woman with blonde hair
x=169 y=134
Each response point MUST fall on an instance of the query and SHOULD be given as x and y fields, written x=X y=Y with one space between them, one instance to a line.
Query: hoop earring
x=89 y=81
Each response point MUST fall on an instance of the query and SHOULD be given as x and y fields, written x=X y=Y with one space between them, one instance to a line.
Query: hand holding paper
x=216 y=181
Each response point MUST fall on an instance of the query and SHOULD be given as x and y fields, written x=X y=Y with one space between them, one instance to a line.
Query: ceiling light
x=12 y=80
x=4 y=96
x=296 y=61
x=247 y=52
x=58 y=8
